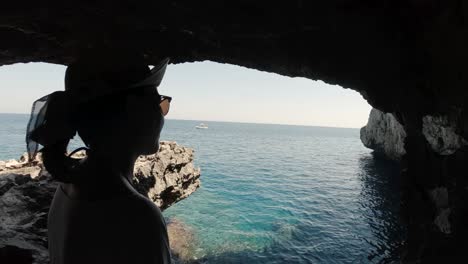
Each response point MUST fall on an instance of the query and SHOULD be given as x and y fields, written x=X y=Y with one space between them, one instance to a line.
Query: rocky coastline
x=26 y=190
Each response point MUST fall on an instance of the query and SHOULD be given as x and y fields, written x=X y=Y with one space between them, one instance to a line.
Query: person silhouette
x=96 y=216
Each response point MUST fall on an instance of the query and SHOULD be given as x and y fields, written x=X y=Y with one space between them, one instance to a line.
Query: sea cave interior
x=406 y=58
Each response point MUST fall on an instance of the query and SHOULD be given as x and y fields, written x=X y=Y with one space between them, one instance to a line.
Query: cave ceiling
x=384 y=49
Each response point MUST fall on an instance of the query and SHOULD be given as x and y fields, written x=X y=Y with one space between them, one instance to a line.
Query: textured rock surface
x=405 y=57
x=384 y=134
x=26 y=193
x=168 y=176
x=439 y=197
x=441 y=135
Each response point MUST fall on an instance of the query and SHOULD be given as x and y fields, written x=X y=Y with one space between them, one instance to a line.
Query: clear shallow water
x=277 y=194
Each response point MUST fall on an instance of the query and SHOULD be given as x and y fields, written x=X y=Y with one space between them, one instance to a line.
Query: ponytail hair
x=50 y=125
x=57 y=163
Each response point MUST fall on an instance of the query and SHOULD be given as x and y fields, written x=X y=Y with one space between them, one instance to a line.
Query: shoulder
x=146 y=216
x=149 y=227
x=145 y=207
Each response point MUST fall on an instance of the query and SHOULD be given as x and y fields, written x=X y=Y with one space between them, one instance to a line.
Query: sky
x=209 y=91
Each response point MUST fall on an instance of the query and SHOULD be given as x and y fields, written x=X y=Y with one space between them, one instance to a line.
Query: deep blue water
x=277 y=194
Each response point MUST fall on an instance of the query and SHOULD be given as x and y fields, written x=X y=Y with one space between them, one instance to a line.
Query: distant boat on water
x=201 y=126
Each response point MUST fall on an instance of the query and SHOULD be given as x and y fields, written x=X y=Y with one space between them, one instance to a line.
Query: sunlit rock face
x=168 y=176
x=405 y=57
x=385 y=135
x=26 y=192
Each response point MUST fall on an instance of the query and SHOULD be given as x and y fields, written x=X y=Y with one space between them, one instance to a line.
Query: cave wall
x=406 y=57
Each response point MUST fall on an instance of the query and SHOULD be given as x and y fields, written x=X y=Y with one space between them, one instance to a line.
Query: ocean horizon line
x=236 y=122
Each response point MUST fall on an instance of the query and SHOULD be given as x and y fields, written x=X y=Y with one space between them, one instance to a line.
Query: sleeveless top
x=126 y=229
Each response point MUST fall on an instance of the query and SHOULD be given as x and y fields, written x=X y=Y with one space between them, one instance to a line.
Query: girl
x=111 y=101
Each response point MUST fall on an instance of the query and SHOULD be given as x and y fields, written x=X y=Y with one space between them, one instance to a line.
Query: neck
x=106 y=174
x=112 y=164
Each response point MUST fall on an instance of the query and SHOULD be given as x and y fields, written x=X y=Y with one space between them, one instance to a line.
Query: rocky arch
x=405 y=57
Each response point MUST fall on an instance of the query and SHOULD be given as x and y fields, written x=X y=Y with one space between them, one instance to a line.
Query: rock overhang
x=354 y=44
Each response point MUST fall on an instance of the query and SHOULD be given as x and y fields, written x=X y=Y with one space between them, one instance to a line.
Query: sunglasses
x=165 y=104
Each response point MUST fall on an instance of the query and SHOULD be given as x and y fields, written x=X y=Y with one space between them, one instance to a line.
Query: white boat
x=201 y=126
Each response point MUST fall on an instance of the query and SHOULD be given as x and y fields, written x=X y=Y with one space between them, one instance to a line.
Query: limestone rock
x=384 y=134
x=24 y=203
x=12 y=164
x=441 y=134
x=168 y=176
x=26 y=191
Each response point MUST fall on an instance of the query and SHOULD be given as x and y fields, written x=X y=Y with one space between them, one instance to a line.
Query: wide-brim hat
x=46 y=125
x=92 y=87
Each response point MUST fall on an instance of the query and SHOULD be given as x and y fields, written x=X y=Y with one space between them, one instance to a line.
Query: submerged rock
x=384 y=134
x=182 y=240
x=26 y=191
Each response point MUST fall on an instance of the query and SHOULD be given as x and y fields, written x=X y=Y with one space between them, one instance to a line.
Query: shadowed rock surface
x=405 y=57
x=26 y=192
x=385 y=135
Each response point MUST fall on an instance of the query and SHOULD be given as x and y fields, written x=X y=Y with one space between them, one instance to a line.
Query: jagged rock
x=441 y=134
x=24 y=204
x=12 y=164
x=168 y=176
x=384 y=134
x=26 y=192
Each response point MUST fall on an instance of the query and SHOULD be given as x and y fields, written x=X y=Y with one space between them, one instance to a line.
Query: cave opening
x=277 y=174
x=407 y=58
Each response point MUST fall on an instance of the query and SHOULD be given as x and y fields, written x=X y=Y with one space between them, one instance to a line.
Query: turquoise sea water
x=277 y=194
